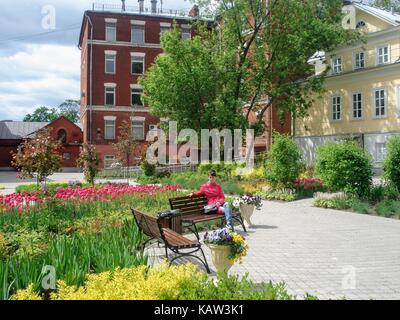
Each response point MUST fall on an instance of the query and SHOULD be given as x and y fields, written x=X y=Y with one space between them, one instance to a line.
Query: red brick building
x=117 y=48
x=118 y=45
x=12 y=134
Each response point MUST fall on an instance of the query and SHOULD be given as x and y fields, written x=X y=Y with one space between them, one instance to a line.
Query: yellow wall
x=319 y=122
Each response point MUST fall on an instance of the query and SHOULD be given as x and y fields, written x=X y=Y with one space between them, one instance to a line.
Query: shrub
x=149 y=170
x=391 y=165
x=286 y=195
x=183 y=282
x=89 y=161
x=344 y=167
x=283 y=164
x=388 y=208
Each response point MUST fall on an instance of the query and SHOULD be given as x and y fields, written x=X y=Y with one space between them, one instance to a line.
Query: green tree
x=68 y=109
x=391 y=165
x=89 y=161
x=283 y=164
x=251 y=54
x=42 y=114
x=126 y=142
x=344 y=166
x=38 y=155
x=387 y=4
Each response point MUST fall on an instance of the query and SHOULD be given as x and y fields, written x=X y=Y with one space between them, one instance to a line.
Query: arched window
x=361 y=24
x=62 y=136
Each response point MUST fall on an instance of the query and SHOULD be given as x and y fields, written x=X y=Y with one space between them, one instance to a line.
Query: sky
x=39 y=56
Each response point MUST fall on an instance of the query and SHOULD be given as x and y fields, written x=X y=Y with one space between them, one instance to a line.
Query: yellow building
x=362 y=98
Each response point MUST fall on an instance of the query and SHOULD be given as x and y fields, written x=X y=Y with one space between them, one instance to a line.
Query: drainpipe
x=90 y=80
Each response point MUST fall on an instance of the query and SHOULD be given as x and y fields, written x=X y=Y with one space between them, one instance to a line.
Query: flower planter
x=220 y=257
x=247 y=211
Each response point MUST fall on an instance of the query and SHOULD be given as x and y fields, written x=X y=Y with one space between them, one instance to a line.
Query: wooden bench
x=157 y=229
x=192 y=209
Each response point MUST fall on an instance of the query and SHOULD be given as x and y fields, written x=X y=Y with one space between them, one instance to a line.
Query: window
x=153 y=127
x=164 y=30
x=138 y=34
x=62 y=136
x=110 y=96
x=109 y=160
x=111 y=32
x=138 y=129
x=110 y=63
x=359 y=60
x=357 y=105
x=336 y=108
x=137 y=96
x=383 y=55
x=337 y=65
x=186 y=33
x=380 y=103
x=109 y=132
x=381 y=151
x=137 y=64
x=360 y=24
x=66 y=156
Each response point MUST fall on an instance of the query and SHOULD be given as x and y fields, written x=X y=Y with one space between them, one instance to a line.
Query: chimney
x=141 y=5
x=153 y=6
x=194 y=12
x=123 y=6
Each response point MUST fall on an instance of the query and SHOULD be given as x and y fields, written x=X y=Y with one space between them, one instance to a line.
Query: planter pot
x=219 y=257
x=247 y=211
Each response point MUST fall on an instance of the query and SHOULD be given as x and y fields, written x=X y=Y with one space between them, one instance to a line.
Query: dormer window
x=361 y=24
x=62 y=136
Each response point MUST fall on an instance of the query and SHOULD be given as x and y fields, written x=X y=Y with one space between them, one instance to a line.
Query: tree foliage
x=38 y=155
x=250 y=55
x=68 y=109
x=284 y=161
x=126 y=142
x=391 y=165
x=345 y=166
x=89 y=161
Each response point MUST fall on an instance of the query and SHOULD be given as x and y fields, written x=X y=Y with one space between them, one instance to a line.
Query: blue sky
x=40 y=66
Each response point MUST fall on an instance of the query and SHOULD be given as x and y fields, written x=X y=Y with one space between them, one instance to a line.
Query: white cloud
x=41 y=75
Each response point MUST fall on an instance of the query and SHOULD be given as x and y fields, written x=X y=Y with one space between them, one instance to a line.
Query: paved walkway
x=327 y=253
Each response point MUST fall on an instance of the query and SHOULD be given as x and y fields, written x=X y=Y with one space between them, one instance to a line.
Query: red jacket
x=213 y=193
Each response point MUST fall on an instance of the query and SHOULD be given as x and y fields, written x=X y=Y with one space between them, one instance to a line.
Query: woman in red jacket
x=215 y=196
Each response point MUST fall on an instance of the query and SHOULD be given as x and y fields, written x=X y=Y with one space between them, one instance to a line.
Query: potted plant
x=247 y=204
x=226 y=248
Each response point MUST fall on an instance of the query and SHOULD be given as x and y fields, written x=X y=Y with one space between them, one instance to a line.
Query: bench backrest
x=147 y=224
x=189 y=205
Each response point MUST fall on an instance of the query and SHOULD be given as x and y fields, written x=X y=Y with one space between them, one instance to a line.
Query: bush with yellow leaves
x=184 y=282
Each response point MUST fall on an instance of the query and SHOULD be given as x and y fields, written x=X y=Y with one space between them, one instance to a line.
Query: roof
x=389 y=17
x=15 y=130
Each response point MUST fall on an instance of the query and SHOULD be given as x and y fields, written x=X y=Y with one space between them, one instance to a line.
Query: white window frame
x=110 y=57
x=335 y=65
x=352 y=101
x=136 y=105
x=355 y=67
x=140 y=120
x=374 y=103
x=106 y=91
x=164 y=27
x=153 y=127
x=186 y=32
x=380 y=154
x=141 y=25
x=138 y=56
x=111 y=25
x=378 y=55
x=108 y=125
x=334 y=105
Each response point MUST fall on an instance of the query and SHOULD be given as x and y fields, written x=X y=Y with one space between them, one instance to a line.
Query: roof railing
x=148 y=11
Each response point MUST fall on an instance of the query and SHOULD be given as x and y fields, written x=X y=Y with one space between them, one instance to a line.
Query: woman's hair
x=213 y=173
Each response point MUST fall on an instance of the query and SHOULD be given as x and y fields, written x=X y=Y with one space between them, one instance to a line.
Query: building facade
x=362 y=97
x=13 y=133
x=117 y=48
